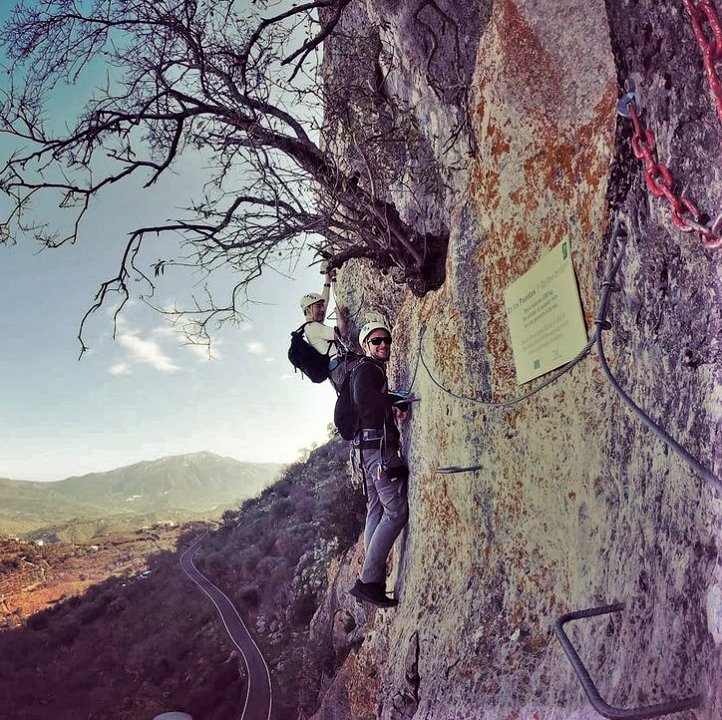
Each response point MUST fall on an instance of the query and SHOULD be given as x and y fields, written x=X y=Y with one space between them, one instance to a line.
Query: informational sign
x=545 y=315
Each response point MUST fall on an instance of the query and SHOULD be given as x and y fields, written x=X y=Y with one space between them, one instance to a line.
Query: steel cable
x=601 y=324
x=616 y=255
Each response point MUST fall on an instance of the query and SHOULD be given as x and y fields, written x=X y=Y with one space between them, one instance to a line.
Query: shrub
x=303 y=610
x=344 y=516
x=283 y=507
x=306 y=509
x=116 y=607
x=65 y=634
x=267 y=542
x=39 y=621
x=248 y=559
x=215 y=561
x=74 y=601
x=267 y=566
x=92 y=611
x=291 y=547
x=230 y=516
x=249 y=596
x=248 y=504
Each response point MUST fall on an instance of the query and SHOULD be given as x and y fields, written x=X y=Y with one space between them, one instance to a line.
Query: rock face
x=573 y=502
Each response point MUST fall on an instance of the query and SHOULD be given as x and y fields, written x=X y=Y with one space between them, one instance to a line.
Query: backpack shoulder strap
x=300 y=331
x=360 y=362
x=365 y=360
x=331 y=343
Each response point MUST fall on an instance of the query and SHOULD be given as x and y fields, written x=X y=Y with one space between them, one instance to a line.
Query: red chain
x=702 y=13
x=659 y=178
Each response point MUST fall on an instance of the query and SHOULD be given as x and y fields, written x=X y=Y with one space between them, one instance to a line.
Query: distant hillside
x=111 y=641
x=171 y=489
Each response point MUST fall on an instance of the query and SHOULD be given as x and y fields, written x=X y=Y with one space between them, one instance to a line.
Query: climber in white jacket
x=319 y=335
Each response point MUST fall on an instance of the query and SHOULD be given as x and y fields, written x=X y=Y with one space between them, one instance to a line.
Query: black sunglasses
x=379 y=340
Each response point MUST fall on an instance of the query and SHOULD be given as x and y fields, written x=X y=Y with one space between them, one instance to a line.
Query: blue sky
x=145 y=394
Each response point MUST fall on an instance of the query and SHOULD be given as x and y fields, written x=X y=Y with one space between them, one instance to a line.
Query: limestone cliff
x=573 y=502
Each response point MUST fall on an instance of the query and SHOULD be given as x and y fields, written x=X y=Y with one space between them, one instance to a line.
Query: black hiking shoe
x=373 y=593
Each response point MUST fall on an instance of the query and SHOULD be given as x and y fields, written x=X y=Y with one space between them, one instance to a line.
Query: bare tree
x=194 y=75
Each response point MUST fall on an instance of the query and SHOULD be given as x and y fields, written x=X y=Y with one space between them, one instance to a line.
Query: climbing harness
x=659 y=178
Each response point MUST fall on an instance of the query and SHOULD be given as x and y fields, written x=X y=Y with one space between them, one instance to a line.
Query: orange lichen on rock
x=500 y=145
x=528 y=68
x=443 y=515
x=364 y=685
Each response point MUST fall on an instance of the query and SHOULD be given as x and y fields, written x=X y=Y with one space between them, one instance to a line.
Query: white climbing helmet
x=369 y=327
x=310 y=299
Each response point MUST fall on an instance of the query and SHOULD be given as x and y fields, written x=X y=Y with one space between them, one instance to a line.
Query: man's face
x=317 y=311
x=382 y=350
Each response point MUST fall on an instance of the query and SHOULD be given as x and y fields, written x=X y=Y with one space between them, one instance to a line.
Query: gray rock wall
x=575 y=503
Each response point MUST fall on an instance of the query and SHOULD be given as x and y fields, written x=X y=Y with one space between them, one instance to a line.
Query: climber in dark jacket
x=375 y=457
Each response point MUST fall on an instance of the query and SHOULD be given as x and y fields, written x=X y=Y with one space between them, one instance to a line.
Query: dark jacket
x=369 y=391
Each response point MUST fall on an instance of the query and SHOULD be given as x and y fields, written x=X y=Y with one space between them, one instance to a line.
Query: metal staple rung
x=590 y=689
x=455 y=469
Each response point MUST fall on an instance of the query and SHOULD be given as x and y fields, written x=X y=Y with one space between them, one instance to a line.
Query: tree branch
x=203 y=76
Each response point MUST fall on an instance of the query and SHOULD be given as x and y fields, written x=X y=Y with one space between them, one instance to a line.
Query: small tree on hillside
x=210 y=76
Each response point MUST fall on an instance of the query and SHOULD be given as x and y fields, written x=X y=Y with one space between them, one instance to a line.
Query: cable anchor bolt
x=630 y=98
x=602 y=324
x=631 y=95
x=712 y=238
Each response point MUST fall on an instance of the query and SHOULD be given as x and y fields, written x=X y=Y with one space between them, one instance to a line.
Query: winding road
x=258 y=695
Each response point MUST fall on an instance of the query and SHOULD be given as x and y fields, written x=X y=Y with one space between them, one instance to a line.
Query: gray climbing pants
x=387 y=508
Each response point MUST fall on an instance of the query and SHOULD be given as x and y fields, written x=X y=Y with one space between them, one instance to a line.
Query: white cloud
x=164 y=331
x=255 y=347
x=119 y=369
x=148 y=352
x=204 y=352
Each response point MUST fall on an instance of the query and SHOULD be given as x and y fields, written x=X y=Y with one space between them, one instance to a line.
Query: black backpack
x=305 y=357
x=341 y=366
x=345 y=417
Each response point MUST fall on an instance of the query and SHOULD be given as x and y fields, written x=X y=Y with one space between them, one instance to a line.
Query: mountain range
x=171 y=489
